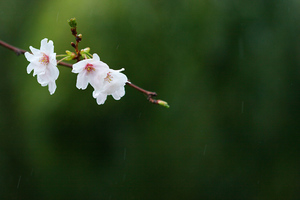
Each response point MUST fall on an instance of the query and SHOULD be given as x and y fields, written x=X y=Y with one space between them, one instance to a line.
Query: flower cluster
x=104 y=80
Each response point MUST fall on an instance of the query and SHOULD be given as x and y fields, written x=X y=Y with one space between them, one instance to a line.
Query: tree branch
x=15 y=49
x=149 y=94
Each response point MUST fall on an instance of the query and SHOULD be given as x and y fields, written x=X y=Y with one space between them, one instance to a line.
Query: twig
x=15 y=49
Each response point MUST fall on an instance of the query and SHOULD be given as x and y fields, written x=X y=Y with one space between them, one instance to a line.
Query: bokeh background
x=229 y=69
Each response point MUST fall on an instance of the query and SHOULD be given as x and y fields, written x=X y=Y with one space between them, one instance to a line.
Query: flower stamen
x=44 y=59
x=108 y=78
x=89 y=67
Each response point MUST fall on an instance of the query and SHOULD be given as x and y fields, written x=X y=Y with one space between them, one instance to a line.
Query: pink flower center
x=108 y=78
x=44 y=59
x=89 y=67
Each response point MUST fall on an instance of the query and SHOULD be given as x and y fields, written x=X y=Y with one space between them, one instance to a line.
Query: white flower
x=43 y=63
x=90 y=71
x=104 y=80
x=113 y=84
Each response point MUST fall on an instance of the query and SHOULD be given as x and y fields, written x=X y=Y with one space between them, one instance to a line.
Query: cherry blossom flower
x=90 y=71
x=43 y=63
x=113 y=84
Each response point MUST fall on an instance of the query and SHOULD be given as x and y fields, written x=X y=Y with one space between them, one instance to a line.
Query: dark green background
x=229 y=70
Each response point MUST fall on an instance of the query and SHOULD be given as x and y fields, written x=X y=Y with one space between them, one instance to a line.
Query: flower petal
x=79 y=67
x=96 y=57
x=52 y=87
x=30 y=67
x=82 y=81
x=35 y=51
x=101 y=98
x=119 y=93
x=47 y=47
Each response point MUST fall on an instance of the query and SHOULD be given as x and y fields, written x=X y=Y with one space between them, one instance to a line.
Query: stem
x=15 y=49
x=19 y=51
x=149 y=94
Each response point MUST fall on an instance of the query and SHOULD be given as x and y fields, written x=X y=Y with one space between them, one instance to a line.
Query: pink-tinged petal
x=82 y=81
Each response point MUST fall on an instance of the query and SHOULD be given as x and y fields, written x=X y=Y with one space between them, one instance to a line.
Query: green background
x=229 y=69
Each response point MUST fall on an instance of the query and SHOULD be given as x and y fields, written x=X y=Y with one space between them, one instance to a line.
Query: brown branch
x=149 y=94
x=15 y=49
x=19 y=51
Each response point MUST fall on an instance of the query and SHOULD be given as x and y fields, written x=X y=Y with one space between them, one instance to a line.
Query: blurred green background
x=229 y=69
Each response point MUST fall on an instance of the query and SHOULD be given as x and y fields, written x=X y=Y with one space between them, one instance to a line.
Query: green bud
x=72 y=22
x=85 y=50
x=69 y=52
x=163 y=103
x=70 y=55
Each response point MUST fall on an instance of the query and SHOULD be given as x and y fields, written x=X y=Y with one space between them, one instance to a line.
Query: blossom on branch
x=113 y=84
x=89 y=71
x=104 y=80
x=44 y=65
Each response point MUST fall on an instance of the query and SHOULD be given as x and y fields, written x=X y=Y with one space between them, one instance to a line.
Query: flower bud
x=70 y=55
x=72 y=22
x=163 y=103
x=85 y=50
x=73 y=44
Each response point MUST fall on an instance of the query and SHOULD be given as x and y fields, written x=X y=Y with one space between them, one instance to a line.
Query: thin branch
x=149 y=94
x=15 y=49
x=19 y=51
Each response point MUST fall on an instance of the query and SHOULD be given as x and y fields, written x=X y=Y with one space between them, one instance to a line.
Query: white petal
x=82 y=81
x=35 y=51
x=79 y=67
x=30 y=67
x=96 y=93
x=119 y=93
x=101 y=98
x=28 y=56
x=47 y=47
x=52 y=59
x=96 y=57
x=53 y=71
x=52 y=87
x=39 y=69
x=43 y=79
